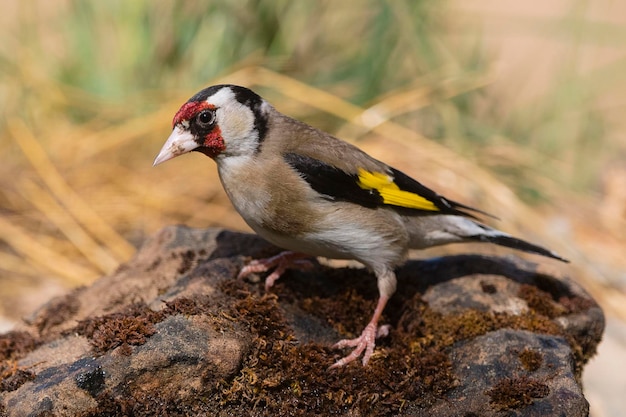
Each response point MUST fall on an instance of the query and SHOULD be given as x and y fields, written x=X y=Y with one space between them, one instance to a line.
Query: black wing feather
x=333 y=182
x=336 y=184
x=446 y=206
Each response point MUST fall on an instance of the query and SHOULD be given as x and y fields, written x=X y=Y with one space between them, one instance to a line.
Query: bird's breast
x=245 y=187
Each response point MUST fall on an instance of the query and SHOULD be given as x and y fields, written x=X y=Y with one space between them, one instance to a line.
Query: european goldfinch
x=313 y=194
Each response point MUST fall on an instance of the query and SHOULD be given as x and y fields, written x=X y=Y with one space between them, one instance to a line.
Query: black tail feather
x=515 y=243
x=462 y=210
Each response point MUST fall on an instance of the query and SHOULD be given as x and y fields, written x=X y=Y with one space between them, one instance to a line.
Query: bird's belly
x=344 y=234
x=306 y=243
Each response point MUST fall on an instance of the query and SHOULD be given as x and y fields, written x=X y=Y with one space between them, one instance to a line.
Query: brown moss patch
x=183 y=305
x=554 y=297
x=348 y=313
x=56 y=312
x=13 y=346
x=433 y=330
x=531 y=359
x=513 y=393
x=540 y=301
x=283 y=377
x=132 y=326
x=12 y=377
x=280 y=376
x=147 y=404
x=16 y=344
x=574 y=305
x=128 y=328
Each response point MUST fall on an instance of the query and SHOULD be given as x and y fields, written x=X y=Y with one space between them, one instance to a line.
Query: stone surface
x=173 y=332
x=498 y=361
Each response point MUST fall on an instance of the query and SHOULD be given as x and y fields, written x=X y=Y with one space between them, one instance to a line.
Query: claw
x=365 y=343
x=282 y=262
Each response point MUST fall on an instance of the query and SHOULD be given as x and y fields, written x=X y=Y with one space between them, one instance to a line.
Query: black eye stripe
x=206 y=118
x=202 y=124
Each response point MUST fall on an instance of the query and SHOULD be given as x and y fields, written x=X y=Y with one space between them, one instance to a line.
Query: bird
x=315 y=195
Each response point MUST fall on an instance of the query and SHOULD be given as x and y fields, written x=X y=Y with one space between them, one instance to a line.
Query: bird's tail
x=503 y=239
x=440 y=230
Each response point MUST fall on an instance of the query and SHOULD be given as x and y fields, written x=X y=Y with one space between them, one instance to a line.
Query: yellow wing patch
x=391 y=193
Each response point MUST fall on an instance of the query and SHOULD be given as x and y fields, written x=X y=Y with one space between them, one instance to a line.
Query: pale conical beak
x=180 y=141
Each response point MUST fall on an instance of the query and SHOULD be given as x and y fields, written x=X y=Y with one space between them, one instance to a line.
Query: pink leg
x=282 y=262
x=367 y=340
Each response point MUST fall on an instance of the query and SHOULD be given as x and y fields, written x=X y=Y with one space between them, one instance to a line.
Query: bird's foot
x=364 y=343
x=281 y=262
x=367 y=341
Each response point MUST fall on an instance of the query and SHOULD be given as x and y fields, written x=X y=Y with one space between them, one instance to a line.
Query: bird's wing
x=373 y=188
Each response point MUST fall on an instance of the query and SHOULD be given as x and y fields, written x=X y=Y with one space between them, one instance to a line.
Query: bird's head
x=219 y=121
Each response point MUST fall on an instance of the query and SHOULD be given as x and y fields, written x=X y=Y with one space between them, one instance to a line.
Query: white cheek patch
x=236 y=122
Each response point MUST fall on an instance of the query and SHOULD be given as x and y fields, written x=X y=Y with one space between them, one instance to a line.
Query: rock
x=174 y=332
x=512 y=369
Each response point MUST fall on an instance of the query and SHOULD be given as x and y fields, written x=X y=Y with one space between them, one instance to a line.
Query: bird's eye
x=205 y=118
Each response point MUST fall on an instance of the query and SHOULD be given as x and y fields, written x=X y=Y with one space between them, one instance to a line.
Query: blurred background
x=513 y=107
